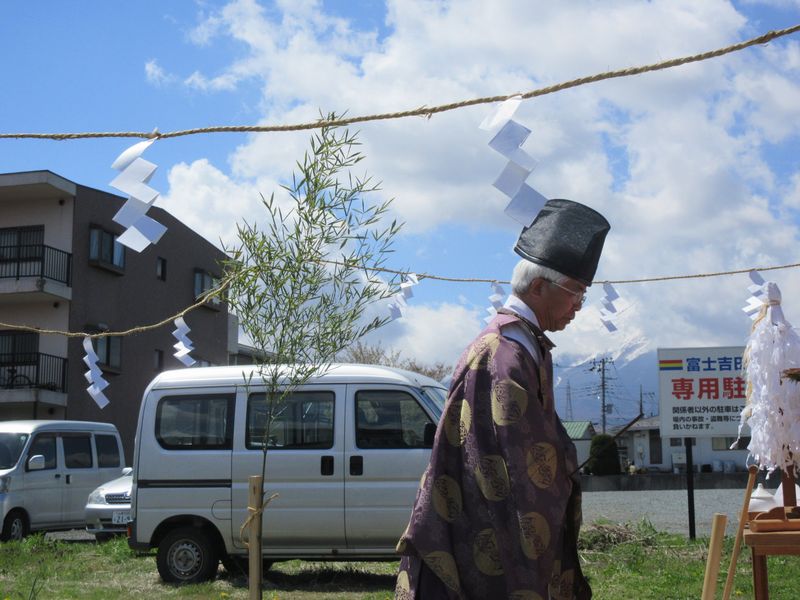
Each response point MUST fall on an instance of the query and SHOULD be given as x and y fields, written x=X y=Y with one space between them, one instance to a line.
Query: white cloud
x=431 y=333
x=675 y=159
x=208 y=201
x=155 y=74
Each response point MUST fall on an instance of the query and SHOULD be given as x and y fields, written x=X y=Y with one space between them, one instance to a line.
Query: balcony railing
x=35 y=260
x=33 y=370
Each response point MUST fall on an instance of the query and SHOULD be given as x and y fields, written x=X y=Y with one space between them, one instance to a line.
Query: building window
x=203 y=282
x=161 y=268
x=21 y=243
x=19 y=348
x=109 y=351
x=105 y=250
x=159 y=360
x=675 y=442
x=725 y=443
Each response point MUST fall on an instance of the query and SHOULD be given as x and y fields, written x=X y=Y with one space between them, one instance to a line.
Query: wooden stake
x=254 y=499
x=789 y=493
x=714 y=551
x=743 y=517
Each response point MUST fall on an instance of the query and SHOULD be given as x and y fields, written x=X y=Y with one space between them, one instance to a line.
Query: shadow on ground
x=319 y=579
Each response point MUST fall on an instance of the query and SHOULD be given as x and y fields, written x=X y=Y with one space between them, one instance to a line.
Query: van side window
x=303 y=420
x=77 y=451
x=195 y=422
x=389 y=419
x=44 y=444
x=107 y=451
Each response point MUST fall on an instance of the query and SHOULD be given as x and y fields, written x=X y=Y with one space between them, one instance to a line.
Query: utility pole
x=641 y=399
x=601 y=366
x=569 y=402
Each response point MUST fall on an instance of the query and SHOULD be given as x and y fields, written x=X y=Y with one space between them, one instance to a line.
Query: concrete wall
x=665 y=481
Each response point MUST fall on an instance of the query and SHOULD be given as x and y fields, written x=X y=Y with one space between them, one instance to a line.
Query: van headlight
x=5 y=483
x=97 y=497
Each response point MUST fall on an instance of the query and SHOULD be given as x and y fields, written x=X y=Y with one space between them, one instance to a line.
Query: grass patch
x=622 y=561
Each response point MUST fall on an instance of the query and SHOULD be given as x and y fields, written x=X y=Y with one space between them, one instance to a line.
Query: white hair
x=526 y=271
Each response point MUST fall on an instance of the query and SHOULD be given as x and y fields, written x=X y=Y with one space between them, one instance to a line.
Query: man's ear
x=536 y=286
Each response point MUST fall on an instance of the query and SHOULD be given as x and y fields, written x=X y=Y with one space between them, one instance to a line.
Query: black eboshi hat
x=565 y=236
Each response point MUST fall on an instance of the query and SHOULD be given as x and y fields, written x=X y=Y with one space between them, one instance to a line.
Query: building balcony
x=33 y=371
x=35 y=269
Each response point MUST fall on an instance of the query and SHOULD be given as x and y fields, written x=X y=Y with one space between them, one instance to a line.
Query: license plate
x=120 y=517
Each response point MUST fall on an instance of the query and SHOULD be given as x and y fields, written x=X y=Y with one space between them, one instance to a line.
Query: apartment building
x=61 y=268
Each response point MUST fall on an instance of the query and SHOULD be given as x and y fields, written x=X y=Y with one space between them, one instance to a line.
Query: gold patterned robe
x=498 y=509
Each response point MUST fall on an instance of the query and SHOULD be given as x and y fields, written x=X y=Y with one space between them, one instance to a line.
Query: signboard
x=701 y=391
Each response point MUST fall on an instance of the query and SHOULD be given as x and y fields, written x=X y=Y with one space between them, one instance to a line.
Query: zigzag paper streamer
x=94 y=376
x=608 y=311
x=525 y=202
x=496 y=298
x=135 y=174
x=756 y=300
x=184 y=345
x=400 y=300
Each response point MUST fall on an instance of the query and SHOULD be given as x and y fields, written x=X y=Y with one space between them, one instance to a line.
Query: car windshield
x=11 y=445
x=437 y=395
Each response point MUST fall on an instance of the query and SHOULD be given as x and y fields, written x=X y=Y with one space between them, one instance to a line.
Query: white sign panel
x=701 y=391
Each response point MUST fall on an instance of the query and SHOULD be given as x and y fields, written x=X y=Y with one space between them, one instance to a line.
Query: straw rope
x=425 y=111
x=216 y=291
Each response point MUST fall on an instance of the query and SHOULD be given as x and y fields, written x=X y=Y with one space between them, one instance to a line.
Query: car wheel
x=187 y=555
x=15 y=526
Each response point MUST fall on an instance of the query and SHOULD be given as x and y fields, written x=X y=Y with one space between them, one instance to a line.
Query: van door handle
x=356 y=465
x=69 y=479
x=326 y=465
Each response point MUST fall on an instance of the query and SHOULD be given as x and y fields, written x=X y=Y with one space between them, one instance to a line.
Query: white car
x=108 y=509
x=47 y=468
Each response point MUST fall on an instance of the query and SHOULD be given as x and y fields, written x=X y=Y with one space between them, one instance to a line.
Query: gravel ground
x=667 y=510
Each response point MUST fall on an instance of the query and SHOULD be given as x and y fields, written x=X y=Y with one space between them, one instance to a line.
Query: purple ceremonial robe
x=497 y=513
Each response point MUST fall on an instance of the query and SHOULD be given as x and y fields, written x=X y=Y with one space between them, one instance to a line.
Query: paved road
x=667 y=510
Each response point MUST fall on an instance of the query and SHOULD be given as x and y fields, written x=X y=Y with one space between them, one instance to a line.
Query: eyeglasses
x=580 y=297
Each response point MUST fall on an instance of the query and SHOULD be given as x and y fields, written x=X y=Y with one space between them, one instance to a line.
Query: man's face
x=558 y=303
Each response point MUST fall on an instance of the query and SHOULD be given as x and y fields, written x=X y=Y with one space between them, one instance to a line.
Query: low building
x=644 y=447
x=62 y=269
x=581 y=433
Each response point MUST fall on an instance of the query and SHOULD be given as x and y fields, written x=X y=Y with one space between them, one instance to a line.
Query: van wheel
x=187 y=555
x=15 y=526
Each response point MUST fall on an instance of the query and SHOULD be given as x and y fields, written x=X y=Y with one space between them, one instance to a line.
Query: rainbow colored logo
x=671 y=364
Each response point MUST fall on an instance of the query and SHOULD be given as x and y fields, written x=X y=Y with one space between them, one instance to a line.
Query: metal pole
x=690 y=485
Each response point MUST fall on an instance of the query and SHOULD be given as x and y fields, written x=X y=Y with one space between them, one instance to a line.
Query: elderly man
x=498 y=509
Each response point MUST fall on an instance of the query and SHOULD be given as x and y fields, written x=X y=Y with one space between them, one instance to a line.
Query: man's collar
x=516 y=305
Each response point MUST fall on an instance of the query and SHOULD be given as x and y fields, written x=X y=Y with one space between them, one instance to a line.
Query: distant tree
x=603 y=456
x=376 y=354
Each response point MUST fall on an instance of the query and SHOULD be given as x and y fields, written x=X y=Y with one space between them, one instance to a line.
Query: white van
x=345 y=454
x=49 y=468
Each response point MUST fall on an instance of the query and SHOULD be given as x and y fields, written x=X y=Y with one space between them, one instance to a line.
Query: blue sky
x=697 y=168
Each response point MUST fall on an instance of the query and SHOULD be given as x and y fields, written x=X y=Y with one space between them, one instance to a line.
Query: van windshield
x=11 y=445
x=437 y=395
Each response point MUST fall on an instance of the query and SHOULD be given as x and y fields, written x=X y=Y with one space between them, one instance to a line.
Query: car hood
x=120 y=485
